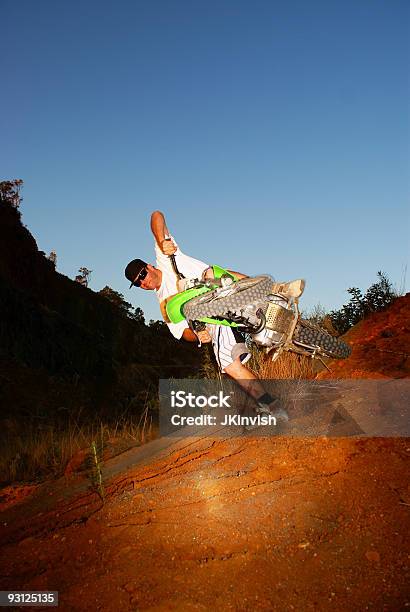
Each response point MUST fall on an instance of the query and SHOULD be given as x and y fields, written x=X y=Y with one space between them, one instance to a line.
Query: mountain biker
x=228 y=344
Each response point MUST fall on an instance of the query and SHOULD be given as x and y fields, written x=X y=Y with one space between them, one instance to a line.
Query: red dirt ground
x=231 y=523
x=380 y=345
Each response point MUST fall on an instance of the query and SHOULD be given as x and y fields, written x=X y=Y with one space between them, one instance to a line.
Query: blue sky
x=273 y=135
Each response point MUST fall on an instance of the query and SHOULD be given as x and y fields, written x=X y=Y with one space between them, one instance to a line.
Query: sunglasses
x=140 y=277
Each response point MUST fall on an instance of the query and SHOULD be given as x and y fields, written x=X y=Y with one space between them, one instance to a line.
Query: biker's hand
x=168 y=247
x=208 y=274
x=203 y=336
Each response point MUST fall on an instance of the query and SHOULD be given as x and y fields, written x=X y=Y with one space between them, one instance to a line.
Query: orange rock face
x=380 y=345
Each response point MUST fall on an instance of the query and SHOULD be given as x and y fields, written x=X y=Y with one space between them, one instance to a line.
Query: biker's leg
x=231 y=354
x=251 y=384
x=245 y=378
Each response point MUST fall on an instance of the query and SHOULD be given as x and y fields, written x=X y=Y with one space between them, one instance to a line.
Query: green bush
x=378 y=296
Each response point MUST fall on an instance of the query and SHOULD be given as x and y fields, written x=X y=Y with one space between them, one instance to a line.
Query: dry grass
x=38 y=452
x=287 y=366
x=292 y=370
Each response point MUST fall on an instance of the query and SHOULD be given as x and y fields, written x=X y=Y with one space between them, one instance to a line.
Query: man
x=229 y=347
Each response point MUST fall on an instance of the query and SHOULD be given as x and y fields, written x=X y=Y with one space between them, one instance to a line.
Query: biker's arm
x=203 y=336
x=189 y=336
x=159 y=229
x=158 y=226
x=238 y=274
x=209 y=274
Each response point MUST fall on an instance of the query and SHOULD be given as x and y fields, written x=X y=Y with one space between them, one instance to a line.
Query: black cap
x=133 y=269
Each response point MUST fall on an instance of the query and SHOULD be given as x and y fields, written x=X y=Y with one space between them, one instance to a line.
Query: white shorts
x=228 y=345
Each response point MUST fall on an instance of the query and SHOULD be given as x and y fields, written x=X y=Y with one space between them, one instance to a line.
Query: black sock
x=265 y=399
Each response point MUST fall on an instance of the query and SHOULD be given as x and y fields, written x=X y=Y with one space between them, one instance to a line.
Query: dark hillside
x=52 y=328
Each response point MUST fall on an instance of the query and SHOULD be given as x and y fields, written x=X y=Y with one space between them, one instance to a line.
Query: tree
x=378 y=296
x=117 y=299
x=158 y=326
x=53 y=258
x=138 y=316
x=125 y=307
x=10 y=192
x=83 y=277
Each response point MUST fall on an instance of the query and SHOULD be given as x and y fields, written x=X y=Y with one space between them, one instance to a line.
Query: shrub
x=378 y=296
